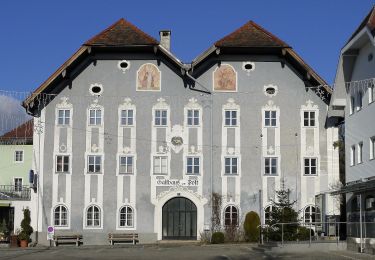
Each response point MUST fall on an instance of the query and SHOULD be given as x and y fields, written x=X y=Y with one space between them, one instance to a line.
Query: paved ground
x=210 y=252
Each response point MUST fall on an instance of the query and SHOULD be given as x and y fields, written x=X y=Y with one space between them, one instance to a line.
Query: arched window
x=370 y=203
x=60 y=216
x=93 y=216
x=267 y=214
x=231 y=216
x=355 y=204
x=126 y=217
x=310 y=214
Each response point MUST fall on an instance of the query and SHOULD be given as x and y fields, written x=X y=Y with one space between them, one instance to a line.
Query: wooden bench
x=123 y=237
x=58 y=239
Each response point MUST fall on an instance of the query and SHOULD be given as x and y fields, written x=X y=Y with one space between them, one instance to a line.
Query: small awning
x=357 y=186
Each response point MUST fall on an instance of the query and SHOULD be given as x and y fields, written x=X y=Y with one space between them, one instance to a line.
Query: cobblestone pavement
x=195 y=252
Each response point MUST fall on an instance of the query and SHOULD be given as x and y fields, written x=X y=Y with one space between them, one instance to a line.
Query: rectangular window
x=230 y=117
x=94 y=163
x=192 y=165
x=63 y=117
x=270 y=166
x=372 y=148
x=308 y=118
x=161 y=117
x=359 y=101
x=352 y=103
x=127 y=117
x=95 y=117
x=360 y=152
x=161 y=165
x=231 y=164
x=126 y=165
x=270 y=118
x=371 y=93
x=18 y=156
x=17 y=184
x=310 y=166
x=193 y=117
x=62 y=163
x=352 y=155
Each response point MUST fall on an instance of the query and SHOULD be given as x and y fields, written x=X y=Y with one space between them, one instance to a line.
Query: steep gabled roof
x=369 y=21
x=121 y=33
x=250 y=35
x=24 y=131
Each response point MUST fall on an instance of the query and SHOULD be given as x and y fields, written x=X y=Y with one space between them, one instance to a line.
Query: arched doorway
x=179 y=219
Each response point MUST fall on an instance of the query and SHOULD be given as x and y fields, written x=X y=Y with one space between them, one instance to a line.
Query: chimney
x=165 y=39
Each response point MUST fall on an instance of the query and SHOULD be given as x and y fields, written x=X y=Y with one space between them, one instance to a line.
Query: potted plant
x=26 y=229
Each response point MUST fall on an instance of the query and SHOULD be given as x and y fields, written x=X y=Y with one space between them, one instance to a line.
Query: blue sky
x=38 y=36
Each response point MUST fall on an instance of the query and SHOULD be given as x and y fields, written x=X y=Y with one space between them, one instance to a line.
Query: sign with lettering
x=50 y=232
x=185 y=183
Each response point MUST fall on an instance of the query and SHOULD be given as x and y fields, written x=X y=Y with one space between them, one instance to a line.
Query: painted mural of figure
x=225 y=78
x=148 y=78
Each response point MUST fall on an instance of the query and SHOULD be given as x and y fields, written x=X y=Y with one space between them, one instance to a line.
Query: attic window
x=96 y=89
x=248 y=66
x=270 y=90
x=123 y=65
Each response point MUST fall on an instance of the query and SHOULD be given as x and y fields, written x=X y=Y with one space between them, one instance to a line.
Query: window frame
x=194 y=118
x=126 y=165
x=125 y=118
x=309 y=166
x=17 y=186
x=312 y=214
x=351 y=104
x=272 y=121
x=126 y=214
x=19 y=154
x=371 y=93
x=160 y=117
x=352 y=155
x=359 y=104
x=95 y=164
x=230 y=117
x=360 y=153
x=160 y=166
x=271 y=166
x=94 y=216
x=372 y=148
x=61 y=219
x=64 y=118
x=63 y=163
x=233 y=167
x=193 y=165
x=95 y=117
x=309 y=119
x=228 y=222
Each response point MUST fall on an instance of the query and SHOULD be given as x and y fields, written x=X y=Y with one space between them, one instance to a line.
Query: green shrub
x=217 y=238
x=251 y=226
x=27 y=230
x=304 y=233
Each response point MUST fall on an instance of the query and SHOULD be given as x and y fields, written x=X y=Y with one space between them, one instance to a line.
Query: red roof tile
x=250 y=35
x=23 y=131
x=122 y=33
x=369 y=21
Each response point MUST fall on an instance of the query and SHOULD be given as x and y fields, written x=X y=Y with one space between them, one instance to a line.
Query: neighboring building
x=16 y=155
x=353 y=99
x=133 y=140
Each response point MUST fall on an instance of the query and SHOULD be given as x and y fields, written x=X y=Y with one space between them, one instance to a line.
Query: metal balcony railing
x=12 y=192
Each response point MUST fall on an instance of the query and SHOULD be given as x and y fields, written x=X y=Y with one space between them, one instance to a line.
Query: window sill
x=94 y=173
x=371 y=159
x=359 y=163
x=230 y=175
x=193 y=174
x=309 y=175
x=126 y=173
x=62 y=172
x=271 y=126
x=231 y=126
x=270 y=175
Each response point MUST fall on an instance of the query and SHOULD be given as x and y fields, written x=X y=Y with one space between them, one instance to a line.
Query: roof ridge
x=122 y=24
x=251 y=34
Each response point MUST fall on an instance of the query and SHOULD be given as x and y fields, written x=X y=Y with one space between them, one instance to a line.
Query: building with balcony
x=16 y=155
x=353 y=100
